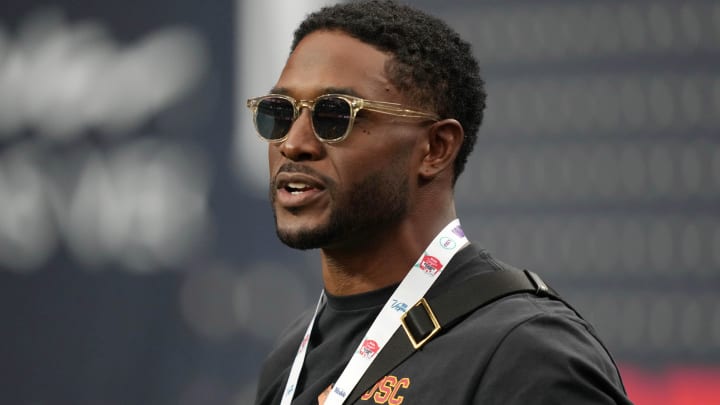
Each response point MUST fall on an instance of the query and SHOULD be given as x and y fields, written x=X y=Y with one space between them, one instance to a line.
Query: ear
x=443 y=143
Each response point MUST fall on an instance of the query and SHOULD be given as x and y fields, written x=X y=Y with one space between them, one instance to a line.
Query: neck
x=379 y=260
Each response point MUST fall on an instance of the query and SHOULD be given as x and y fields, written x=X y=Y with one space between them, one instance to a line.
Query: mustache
x=299 y=168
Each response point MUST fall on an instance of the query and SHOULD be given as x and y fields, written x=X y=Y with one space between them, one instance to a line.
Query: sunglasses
x=332 y=115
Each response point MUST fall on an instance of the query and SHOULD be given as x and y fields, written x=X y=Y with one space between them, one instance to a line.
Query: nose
x=301 y=143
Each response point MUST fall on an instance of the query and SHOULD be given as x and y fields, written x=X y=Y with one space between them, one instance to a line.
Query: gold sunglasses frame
x=356 y=104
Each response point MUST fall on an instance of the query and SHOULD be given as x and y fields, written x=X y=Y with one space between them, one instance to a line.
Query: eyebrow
x=326 y=90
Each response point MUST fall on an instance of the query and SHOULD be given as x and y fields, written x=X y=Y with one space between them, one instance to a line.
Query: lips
x=293 y=190
x=296 y=187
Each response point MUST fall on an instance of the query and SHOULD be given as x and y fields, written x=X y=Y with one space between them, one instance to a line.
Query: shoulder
x=549 y=355
x=535 y=350
x=515 y=310
x=526 y=321
x=541 y=351
x=539 y=325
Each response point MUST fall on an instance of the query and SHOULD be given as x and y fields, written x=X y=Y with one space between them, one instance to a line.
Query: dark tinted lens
x=274 y=118
x=331 y=117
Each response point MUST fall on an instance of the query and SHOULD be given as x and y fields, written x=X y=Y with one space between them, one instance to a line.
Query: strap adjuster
x=541 y=289
x=417 y=323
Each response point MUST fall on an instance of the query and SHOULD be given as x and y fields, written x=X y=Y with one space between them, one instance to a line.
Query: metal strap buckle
x=436 y=325
x=541 y=289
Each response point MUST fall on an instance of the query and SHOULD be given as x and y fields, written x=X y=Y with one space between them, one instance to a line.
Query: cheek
x=273 y=155
x=354 y=168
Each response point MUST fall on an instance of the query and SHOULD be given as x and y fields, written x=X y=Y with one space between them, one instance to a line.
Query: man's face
x=333 y=195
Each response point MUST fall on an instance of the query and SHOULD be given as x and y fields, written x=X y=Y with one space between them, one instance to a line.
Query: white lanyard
x=413 y=287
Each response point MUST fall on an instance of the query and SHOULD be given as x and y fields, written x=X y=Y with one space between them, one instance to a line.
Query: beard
x=377 y=202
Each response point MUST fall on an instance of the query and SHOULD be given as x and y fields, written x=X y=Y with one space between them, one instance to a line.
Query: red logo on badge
x=304 y=343
x=369 y=348
x=431 y=265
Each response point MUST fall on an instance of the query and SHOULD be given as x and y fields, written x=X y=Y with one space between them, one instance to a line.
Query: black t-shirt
x=521 y=349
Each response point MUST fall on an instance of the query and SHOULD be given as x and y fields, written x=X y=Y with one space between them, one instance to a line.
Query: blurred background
x=138 y=259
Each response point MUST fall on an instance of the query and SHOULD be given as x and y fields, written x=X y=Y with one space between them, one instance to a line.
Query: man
x=370 y=124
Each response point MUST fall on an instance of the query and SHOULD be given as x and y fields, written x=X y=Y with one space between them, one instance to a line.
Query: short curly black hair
x=433 y=66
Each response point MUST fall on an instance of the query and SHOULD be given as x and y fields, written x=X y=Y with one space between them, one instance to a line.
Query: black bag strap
x=430 y=316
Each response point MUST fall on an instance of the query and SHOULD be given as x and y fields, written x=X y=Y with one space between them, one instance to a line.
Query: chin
x=303 y=237
x=302 y=240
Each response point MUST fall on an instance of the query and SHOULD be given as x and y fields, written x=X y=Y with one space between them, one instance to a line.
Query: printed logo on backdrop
x=139 y=202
